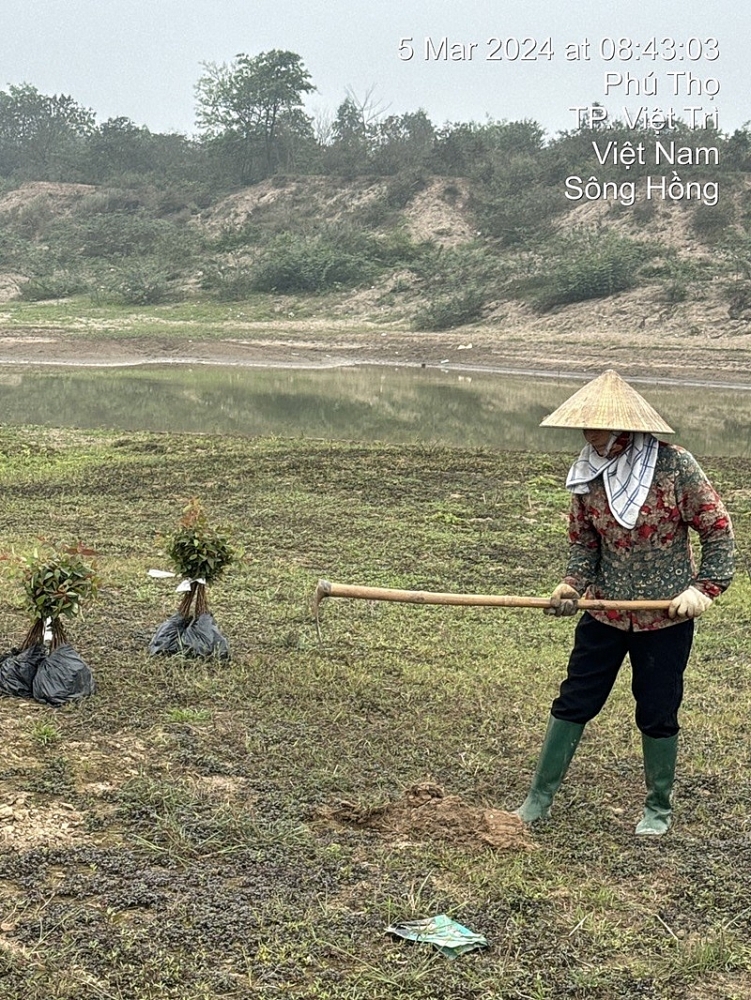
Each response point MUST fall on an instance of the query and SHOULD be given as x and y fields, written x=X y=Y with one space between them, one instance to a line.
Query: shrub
x=403 y=187
x=33 y=218
x=340 y=257
x=453 y=269
x=140 y=286
x=14 y=248
x=457 y=283
x=58 y=285
x=589 y=265
x=120 y=235
x=518 y=217
x=676 y=290
x=230 y=281
x=236 y=237
x=711 y=222
x=513 y=200
x=451 y=311
x=739 y=296
x=110 y=201
x=644 y=211
x=311 y=264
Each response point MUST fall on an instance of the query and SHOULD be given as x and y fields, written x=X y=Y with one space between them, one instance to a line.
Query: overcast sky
x=142 y=58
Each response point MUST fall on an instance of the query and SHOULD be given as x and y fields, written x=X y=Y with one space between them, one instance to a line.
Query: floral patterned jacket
x=653 y=560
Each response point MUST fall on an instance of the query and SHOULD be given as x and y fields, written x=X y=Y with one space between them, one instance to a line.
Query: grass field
x=197 y=319
x=172 y=837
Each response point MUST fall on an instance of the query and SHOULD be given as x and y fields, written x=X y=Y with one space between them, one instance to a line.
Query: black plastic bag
x=202 y=638
x=62 y=676
x=18 y=670
x=166 y=640
x=193 y=637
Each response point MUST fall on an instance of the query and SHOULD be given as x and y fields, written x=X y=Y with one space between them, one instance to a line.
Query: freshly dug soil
x=425 y=812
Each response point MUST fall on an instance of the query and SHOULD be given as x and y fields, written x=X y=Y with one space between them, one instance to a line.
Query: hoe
x=327 y=589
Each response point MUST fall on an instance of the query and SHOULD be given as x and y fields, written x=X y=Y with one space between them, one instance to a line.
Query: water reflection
x=364 y=403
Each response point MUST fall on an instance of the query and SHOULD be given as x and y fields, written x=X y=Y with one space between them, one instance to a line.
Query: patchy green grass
x=188 y=860
x=198 y=318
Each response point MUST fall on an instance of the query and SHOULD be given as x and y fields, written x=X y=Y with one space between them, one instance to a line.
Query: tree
x=254 y=108
x=117 y=147
x=737 y=152
x=354 y=133
x=121 y=152
x=40 y=135
x=405 y=142
x=463 y=148
x=349 y=151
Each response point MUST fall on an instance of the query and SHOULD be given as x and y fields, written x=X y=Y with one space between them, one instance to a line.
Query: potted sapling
x=200 y=554
x=47 y=668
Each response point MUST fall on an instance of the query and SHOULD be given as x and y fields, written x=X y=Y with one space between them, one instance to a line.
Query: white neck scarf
x=626 y=476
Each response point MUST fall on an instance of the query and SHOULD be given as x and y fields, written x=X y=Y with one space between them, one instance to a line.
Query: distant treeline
x=132 y=239
x=251 y=124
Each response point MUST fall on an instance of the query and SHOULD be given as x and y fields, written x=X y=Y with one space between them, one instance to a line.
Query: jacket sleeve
x=703 y=510
x=584 y=546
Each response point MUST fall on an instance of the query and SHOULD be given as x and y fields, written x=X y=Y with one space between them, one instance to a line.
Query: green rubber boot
x=659 y=773
x=558 y=748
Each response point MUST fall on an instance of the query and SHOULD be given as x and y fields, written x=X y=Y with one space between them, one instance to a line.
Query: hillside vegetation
x=426 y=259
x=436 y=226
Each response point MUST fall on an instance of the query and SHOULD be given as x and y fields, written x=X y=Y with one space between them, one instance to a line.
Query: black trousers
x=658 y=659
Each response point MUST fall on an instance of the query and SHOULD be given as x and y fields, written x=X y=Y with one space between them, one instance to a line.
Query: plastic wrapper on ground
x=449 y=937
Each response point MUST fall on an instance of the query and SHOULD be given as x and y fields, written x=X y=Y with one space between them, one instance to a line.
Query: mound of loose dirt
x=425 y=812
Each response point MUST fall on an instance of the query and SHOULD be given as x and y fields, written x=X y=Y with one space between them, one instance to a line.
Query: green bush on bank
x=341 y=257
x=712 y=222
x=141 y=286
x=516 y=218
x=451 y=311
x=587 y=264
x=293 y=263
x=458 y=282
x=228 y=281
x=56 y=285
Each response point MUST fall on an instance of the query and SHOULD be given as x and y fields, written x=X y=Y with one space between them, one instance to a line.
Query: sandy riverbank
x=537 y=353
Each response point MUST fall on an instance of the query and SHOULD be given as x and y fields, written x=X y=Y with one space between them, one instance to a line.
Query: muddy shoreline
x=538 y=356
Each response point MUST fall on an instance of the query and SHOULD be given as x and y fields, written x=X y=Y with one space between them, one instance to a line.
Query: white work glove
x=690 y=604
x=563 y=601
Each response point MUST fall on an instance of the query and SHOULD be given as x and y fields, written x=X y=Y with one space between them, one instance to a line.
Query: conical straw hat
x=610 y=404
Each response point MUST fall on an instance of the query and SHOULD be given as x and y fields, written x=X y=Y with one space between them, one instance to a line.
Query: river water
x=366 y=403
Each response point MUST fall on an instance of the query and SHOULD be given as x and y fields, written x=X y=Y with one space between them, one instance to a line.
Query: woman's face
x=598 y=440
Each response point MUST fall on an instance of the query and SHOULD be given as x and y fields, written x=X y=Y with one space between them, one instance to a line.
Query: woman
x=634 y=498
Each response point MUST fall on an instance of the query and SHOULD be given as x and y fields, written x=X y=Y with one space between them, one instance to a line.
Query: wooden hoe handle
x=327 y=589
